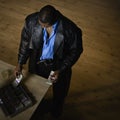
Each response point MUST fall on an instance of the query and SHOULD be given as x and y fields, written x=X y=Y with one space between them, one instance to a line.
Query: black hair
x=48 y=14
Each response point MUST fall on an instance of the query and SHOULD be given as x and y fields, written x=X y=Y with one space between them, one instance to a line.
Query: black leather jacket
x=67 y=47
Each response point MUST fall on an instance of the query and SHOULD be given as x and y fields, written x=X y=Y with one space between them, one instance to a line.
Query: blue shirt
x=48 y=45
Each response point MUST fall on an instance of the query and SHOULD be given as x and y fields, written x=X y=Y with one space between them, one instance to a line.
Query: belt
x=46 y=62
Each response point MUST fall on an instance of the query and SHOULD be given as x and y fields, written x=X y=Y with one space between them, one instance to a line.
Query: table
x=36 y=85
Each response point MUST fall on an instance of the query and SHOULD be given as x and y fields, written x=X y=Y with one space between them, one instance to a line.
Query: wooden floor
x=95 y=86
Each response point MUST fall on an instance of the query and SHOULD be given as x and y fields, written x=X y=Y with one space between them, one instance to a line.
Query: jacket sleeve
x=73 y=50
x=24 y=45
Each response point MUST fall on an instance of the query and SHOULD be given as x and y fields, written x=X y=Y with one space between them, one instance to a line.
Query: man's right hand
x=18 y=70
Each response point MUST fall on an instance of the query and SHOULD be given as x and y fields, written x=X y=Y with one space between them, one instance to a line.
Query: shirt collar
x=55 y=26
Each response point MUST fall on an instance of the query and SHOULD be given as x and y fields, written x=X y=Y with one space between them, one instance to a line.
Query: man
x=52 y=42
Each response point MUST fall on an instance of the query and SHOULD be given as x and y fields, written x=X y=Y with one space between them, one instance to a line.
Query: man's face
x=44 y=25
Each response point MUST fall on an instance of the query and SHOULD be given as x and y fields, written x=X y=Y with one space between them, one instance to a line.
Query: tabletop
x=37 y=86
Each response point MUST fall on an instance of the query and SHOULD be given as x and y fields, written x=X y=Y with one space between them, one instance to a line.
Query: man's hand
x=18 y=70
x=54 y=76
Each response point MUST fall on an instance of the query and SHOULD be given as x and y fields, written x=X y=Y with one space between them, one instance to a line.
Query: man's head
x=48 y=15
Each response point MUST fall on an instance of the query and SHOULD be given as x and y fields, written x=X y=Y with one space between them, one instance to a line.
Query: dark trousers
x=60 y=88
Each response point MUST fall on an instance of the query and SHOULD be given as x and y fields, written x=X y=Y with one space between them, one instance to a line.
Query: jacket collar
x=59 y=36
x=37 y=35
